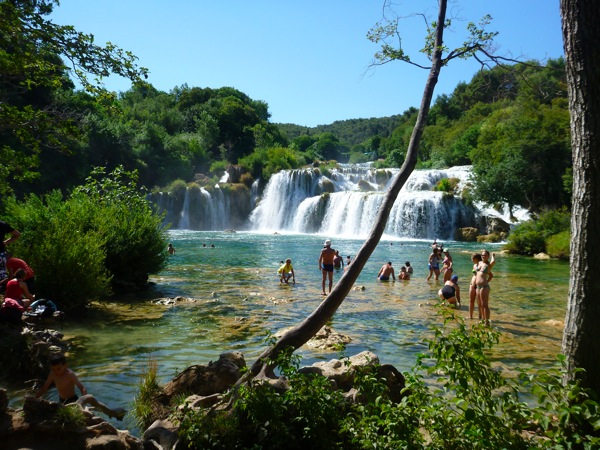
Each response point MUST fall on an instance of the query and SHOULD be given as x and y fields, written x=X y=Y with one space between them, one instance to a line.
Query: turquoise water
x=234 y=299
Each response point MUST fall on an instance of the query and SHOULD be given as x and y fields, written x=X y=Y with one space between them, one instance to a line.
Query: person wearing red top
x=13 y=264
x=14 y=304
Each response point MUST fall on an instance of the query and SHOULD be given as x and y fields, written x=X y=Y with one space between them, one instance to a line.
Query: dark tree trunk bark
x=581 y=35
x=300 y=334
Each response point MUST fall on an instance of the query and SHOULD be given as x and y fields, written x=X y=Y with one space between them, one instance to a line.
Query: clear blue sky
x=309 y=60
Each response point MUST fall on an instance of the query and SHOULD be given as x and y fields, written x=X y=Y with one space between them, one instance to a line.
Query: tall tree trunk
x=300 y=334
x=581 y=35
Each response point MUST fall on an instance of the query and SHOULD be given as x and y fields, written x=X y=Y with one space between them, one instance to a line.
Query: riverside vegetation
x=454 y=398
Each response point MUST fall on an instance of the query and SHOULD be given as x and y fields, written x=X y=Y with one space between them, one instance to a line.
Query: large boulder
x=216 y=377
x=466 y=234
x=40 y=425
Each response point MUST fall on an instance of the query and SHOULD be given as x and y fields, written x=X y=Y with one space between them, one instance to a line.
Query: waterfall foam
x=337 y=202
x=345 y=202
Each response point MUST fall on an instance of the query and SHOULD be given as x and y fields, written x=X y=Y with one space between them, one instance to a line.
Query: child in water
x=64 y=379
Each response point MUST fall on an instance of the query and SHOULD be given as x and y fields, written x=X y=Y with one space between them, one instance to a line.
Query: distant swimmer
x=326 y=264
x=286 y=271
x=386 y=271
x=171 y=249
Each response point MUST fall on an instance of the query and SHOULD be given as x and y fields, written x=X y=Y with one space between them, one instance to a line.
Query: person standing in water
x=338 y=261
x=171 y=249
x=326 y=264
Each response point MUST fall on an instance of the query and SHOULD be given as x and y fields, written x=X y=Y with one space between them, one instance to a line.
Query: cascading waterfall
x=337 y=202
x=345 y=201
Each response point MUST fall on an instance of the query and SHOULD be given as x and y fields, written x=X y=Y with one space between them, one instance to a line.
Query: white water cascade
x=345 y=202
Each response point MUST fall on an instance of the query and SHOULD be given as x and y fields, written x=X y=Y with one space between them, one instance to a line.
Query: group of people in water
x=479 y=288
x=440 y=263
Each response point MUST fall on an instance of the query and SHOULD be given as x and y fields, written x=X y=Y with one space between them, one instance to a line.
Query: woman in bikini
x=483 y=276
x=476 y=258
x=447 y=266
x=434 y=264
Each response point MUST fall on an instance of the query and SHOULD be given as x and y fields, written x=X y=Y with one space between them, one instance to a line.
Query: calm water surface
x=236 y=299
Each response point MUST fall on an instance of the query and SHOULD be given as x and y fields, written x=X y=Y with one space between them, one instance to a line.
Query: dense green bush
x=558 y=245
x=531 y=237
x=104 y=234
x=454 y=399
x=60 y=244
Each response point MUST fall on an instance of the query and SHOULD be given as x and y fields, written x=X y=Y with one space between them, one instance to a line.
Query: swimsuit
x=384 y=278
x=71 y=399
x=483 y=287
x=448 y=291
x=328 y=267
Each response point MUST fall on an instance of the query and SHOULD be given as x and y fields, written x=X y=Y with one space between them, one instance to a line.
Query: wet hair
x=58 y=358
x=407 y=263
x=390 y=263
x=20 y=274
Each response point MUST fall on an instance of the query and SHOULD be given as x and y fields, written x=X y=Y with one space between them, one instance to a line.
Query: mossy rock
x=364 y=185
x=492 y=237
x=327 y=186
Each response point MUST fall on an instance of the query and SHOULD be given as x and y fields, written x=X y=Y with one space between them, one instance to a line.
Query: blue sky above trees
x=309 y=60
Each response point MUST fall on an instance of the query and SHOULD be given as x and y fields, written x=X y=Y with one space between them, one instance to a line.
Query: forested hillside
x=510 y=123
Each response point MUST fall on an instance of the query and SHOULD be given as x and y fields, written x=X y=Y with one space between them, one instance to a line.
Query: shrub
x=558 y=245
x=530 y=237
x=104 y=232
x=60 y=242
x=145 y=407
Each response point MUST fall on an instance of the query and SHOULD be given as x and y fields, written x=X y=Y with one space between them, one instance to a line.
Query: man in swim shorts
x=385 y=272
x=326 y=264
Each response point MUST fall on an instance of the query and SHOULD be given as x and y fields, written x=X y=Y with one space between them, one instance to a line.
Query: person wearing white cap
x=326 y=264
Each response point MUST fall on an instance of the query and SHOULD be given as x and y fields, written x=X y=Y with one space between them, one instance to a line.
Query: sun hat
x=327 y=243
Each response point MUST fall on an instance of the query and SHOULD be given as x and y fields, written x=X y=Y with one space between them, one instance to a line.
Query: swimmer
x=450 y=292
x=385 y=272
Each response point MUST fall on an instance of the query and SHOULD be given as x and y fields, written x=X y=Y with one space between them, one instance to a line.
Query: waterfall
x=337 y=202
x=345 y=202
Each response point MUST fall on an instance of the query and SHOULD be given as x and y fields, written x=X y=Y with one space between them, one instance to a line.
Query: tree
x=580 y=20
x=477 y=42
x=34 y=52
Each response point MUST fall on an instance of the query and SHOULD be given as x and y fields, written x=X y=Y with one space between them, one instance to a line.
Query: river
x=235 y=300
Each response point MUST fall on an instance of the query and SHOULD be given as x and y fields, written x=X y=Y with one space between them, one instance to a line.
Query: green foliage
x=60 y=242
x=447 y=185
x=33 y=72
x=558 y=245
x=454 y=398
x=567 y=415
x=135 y=247
x=104 y=232
x=304 y=416
x=69 y=417
x=532 y=236
x=144 y=403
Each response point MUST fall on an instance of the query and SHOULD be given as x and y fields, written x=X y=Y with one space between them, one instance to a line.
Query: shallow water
x=236 y=299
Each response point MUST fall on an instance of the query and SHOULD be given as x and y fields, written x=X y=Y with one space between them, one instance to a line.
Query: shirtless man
x=64 y=379
x=385 y=272
x=326 y=264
